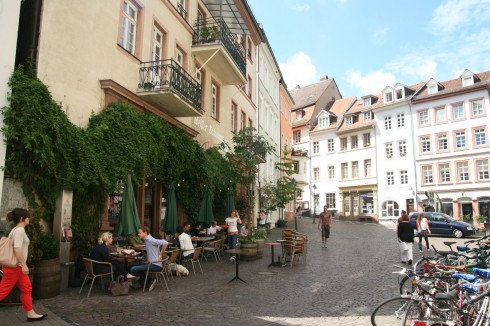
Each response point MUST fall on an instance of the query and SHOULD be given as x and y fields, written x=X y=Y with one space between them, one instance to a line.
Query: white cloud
x=302 y=8
x=379 y=36
x=454 y=14
x=372 y=83
x=417 y=65
x=299 y=70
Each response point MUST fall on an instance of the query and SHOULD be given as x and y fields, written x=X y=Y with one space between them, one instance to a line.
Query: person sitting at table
x=244 y=229
x=153 y=253
x=101 y=253
x=214 y=228
x=197 y=231
x=186 y=247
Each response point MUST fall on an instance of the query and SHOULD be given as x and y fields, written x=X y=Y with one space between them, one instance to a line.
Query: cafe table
x=272 y=245
x=136 y=256
x=202 y=240
x=237 y=253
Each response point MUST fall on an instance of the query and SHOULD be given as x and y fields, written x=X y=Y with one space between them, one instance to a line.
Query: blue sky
x=367 y=45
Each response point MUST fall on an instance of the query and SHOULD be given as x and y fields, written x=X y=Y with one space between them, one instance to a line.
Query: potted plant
x=281 y=223
x=249 y=243
x=260 y=236
x=47 y=276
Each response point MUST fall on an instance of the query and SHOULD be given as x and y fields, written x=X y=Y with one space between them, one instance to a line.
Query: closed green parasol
x=171 y=217
x=206 y=210
x=129 y=221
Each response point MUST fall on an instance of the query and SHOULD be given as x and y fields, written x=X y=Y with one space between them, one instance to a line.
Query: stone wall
x=12 y=197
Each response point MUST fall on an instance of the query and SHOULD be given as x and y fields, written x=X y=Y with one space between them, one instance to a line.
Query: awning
x=227 y=10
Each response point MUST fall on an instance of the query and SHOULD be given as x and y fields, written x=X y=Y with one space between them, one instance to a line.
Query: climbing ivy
x=46 y=152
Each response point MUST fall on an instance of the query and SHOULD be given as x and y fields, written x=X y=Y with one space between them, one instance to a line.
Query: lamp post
x=294 y=208
x=314 y=202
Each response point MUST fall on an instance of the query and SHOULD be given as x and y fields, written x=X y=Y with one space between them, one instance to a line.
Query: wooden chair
x=89 y=266
x=292 y=249
x=212 y=247
x=172 y=262
x=195 y=259
x=159 y=275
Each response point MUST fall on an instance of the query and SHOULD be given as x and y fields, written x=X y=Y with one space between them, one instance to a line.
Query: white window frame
x=388 y=122
x=400 y=118
x=482 y=170
x=403 y=177
x=129 y=26
x=458 y=111
x=367 y=168
x=390 y=178
x=344 y=171
x=355 y=169
x=427 y=175
x=480 y=136
x=424 y=118
x=389 y=150
x=214 y=100
x=444 y=173
x=402 y=148
x=354 y=141
x=463 y=171
x=316 y=173
x=330 y=145
x=331 y=172
x=316 y=147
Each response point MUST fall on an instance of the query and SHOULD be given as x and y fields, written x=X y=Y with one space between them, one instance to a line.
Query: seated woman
x=101 y=253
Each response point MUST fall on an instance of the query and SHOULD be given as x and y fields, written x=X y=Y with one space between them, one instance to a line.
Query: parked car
x=440 y=223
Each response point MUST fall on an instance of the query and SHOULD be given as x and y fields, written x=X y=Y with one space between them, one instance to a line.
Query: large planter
x=13 y=298
x=260 y=247
x=252 y=248
x=47 y=279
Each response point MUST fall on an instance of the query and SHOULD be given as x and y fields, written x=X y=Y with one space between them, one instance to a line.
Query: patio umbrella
x=230 y=202
x=206 y=210
x=171 y=218
x=129 y=221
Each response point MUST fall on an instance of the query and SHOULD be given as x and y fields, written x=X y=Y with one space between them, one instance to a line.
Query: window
x=400 y=118
x=460 y=139
x=316 y=174
x=390 y=178
x=480 y=137
x=323 y=122
x=344 y=171
x=331 y=172
x=442 y=142
x=330 y=200
x=477 y=108
x=366 y=102
x=468 y=80
x=432 y=89
x=355 y=169
x=243 y=120
x=157 y=45
x=388 y=96
x=180 y=57
x=427 y=174
x=463 y=171
x=389 y=150
x=297 y=136
x=424 y=118
x=366 y=139
x=458 y=111
x=390 y=209
x=368 y=116
x=249 y=49
x=343 y=143
x=316 y=147
x=299 y=115
x=400 y=94
x=128 y=27
x=250 y=87
x=348 y=120
x=181 y=8
x=330 y=145
x=482 y=170
x=353 y=141
x=367 y=168
x=425 y=144
x=444 y=173
x=441 y=115
x=347 y=204
x=404 y=177
x=296 y=166
x=214 y=101
x=388 y=123
x=402 y=147
x=234 y=111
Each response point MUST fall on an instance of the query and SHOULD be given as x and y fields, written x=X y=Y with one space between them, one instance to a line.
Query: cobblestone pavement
x=338 y=285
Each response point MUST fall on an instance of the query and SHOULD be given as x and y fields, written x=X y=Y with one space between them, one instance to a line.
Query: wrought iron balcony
x=214 y=44
x=167 y=85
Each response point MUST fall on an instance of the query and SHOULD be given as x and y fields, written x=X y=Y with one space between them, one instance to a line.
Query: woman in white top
x=232 y=223
x=423 y=230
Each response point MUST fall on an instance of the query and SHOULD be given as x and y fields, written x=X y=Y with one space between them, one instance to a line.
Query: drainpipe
x=413 y=153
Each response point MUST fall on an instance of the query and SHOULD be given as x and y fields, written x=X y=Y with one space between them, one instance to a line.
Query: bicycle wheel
x=400 y=311
x=406 y=286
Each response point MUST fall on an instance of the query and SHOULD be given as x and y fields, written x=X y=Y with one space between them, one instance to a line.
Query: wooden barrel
x=252 y=248
x=260 y=248
x=47 y=279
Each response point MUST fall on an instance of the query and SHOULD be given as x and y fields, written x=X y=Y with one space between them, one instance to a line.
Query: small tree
x=286 y=185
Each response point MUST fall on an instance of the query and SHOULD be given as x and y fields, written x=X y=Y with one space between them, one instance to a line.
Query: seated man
x=214 y=228
x=186 y=247
x=153 y=253
x=197 y=231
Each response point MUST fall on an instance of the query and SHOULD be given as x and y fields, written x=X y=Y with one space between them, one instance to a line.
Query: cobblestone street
x=338 y=285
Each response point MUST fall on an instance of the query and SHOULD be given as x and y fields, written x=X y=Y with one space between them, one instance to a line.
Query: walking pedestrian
x=405 y=239
x=401 y=216
x=423 y=230
x=325 y=221
x=19 y=275
x=299 y=211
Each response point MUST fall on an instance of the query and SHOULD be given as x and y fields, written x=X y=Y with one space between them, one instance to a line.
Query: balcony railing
x=299 y=152
x=181 y=10
x=214 y=30
x=168 y=74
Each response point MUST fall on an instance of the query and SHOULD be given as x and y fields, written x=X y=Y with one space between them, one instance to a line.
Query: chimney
x=297 y=87
x=323 y=78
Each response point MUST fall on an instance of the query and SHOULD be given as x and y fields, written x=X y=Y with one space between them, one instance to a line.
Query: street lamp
x=294 y=208
x=314 y=202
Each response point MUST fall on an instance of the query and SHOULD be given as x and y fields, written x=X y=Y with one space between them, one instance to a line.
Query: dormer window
x=299 y=115
x=368 y=116
x=388 y=97
x=468 y=78
x=348 y=120
x=367 y=102
x=432 y=89
x=323 y=122
x=400 y=94
x=467 y=81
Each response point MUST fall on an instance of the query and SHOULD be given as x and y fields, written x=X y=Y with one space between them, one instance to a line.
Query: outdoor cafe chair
x=172 y=262
x=159 y=275
x=195 y=259
x=292 y=249
x=212 y=247
x=89 y=266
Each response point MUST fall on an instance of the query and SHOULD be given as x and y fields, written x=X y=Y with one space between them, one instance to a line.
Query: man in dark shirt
x=325 y=221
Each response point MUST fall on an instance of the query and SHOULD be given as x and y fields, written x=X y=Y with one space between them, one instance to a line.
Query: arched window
x=390 y=209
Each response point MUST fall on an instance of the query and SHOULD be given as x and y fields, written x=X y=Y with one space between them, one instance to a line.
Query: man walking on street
x=325 y=221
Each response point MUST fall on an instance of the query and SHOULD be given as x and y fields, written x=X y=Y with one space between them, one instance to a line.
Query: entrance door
x=467 y=209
